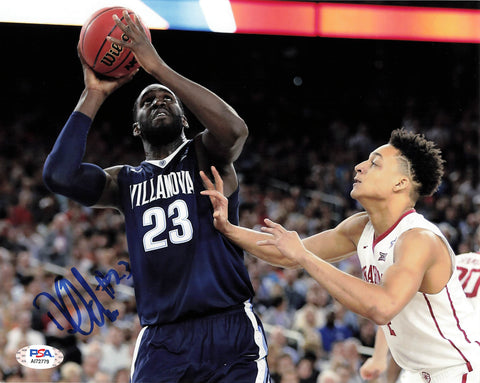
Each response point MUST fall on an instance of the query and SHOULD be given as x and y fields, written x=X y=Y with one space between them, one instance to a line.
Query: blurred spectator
x=90 y=366
x=317 y=300
x=115 y=351
x=277 y=340
x=290 y=376
x=58 y=242
x=306 y=369
x=328 y=376
x=309 y=329
x=333 y=332
x=122 y=375
x=70 y=372
x=294 y=289
x=279 y=314
x=102 y=377
x=22 y=334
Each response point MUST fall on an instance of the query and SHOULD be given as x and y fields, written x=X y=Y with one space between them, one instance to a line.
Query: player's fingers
x=206 y=181
x=118 y=42
x=128 y=29
x=213 y=194
x=119 y=23
x=218 y=179
x=269 y=230
x=137 y=22
x=128 y=19
x=273 y=225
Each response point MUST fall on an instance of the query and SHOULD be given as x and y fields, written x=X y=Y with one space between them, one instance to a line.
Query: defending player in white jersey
x=410 y=288
x=468 y=272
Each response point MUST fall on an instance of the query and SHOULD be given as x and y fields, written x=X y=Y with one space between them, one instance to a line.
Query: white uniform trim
x=261 y=343
x=135 y=351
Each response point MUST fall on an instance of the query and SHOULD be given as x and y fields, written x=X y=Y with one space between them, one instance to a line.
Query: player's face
x=376 y=177
x=159 y=115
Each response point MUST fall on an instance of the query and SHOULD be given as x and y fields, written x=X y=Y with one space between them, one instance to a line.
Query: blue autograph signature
x=96 y=311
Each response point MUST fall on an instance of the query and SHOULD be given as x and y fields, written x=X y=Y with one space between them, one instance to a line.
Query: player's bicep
x=413 y=256
x=338 y=243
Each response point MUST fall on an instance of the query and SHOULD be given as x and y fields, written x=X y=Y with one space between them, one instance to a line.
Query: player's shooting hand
x=287 y=242
x=372 y=368
x=102 y=85
x=217 y=198
x=138 y=42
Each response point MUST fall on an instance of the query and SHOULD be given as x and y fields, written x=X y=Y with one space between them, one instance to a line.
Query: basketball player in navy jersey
x=192 y=289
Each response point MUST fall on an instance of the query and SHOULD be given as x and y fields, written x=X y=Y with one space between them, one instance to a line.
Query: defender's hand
x=217 y=198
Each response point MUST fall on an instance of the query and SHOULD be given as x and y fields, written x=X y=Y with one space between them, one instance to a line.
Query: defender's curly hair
x=424 y=159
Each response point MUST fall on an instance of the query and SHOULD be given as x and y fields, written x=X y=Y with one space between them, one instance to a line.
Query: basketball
x=103 y=56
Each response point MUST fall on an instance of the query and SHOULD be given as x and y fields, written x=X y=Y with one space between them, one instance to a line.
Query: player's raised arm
x=63 y=172
x=226 y=131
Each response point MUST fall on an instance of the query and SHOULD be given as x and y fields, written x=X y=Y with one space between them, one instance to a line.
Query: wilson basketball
x=103 y=56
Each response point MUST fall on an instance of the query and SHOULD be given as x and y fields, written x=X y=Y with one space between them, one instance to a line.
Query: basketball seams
x=104 y=58
x=103 y=44
x=90 y=22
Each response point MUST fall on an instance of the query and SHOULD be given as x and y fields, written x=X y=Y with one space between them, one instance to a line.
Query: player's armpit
x=110 y=196
x=339 y=243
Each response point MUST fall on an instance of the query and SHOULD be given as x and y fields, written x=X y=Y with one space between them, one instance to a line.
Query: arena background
x=303 y=98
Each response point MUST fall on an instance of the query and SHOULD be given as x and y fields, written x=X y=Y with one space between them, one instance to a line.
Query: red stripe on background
x=275 y=17
x=360 y=21
x=398 y=23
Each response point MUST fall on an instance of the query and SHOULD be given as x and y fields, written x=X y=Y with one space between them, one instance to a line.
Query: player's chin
x=354 y=192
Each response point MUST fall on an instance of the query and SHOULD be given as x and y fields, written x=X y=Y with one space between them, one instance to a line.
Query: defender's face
x=376 y=177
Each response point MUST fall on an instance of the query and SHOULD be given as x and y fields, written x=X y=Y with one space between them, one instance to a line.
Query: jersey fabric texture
x=181 y=265
x=468 y=271
x=434 y=334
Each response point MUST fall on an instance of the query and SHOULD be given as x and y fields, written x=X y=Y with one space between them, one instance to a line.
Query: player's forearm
x=215 y=114
x=366 y=299
x=64 y=173
x=380 y=351
x=90 y=102
x=247 y=239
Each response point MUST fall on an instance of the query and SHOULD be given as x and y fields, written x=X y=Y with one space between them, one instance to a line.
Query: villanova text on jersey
x=182 y=266
x=160 y=187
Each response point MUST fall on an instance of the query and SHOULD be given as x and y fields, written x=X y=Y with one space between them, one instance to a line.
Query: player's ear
x=136 y=129
x=401 y=184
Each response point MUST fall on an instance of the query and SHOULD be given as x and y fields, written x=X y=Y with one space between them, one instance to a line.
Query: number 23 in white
x=178 y=212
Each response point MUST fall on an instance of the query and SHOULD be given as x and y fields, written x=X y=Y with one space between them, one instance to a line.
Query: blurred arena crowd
x=298 y=175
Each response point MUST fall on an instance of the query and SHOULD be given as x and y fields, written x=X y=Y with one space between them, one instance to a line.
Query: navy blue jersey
x=181 y=265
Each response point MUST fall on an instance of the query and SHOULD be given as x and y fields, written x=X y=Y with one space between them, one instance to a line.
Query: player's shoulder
x=357 y=220
x=421 y=241
x=113 y=170
x=354 y=225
